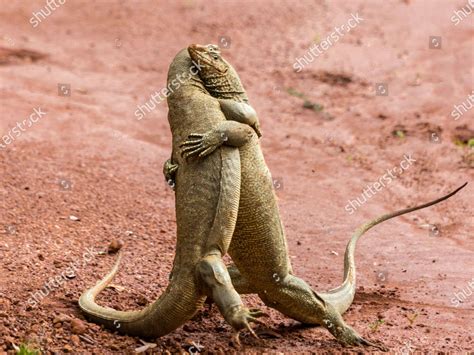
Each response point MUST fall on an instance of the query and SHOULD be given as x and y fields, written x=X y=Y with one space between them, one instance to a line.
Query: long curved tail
x=341 y=297
x=176 y=305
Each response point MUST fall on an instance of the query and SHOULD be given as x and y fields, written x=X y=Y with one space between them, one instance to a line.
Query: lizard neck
x=225 y=86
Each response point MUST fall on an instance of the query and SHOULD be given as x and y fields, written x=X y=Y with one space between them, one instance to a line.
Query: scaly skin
x=258 y=247
x=207 y=199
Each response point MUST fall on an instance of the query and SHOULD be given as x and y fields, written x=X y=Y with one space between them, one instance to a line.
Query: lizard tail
x=174 y=307
x=341 y=297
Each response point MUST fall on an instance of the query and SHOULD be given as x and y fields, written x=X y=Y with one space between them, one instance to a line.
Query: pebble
x=67 y=349
x=3 y=329
x=60 y=318
x=75 y=340
x=78 y=326
x=115 y=246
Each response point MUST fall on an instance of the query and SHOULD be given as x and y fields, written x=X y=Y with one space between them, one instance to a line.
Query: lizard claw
x=349 y=337
x=236 y=339
x=242 y=319
x=378 y=345
x=202 y=144
x=169 y=171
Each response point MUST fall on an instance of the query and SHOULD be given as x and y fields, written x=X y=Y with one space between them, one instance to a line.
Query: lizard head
x=208 y=59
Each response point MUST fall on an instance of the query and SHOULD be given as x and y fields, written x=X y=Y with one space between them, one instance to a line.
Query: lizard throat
x=225 y=87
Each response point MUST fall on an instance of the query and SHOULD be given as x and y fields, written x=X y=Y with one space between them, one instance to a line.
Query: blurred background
x=345 y=92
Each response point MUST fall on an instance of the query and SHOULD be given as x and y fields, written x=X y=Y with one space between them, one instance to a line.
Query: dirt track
x=87 y=172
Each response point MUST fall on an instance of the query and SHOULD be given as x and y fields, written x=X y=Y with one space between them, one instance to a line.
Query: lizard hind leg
x=293 y=297
x=213 y=272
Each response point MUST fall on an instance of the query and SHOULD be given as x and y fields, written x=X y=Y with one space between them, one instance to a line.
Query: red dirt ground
x=89 y=157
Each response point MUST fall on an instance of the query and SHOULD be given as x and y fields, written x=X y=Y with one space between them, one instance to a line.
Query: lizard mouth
x=208 y=55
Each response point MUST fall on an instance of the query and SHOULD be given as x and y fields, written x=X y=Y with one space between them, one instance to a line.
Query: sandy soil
x=87 y=172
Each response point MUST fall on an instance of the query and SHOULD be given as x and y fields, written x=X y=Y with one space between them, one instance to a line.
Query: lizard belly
x=258 y=246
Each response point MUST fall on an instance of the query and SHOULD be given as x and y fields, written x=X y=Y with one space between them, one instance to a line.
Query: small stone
x=115 y=246
x=114 y=347
x=32 y=338
x=75 y=340
x=67 y=349
x=9 y=340
x=36 y=328
x=3 y=329
x=78 y=326
x=60 y=318
x=4 y=304
x=141 y=300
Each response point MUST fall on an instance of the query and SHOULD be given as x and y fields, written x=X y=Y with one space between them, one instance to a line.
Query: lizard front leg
x=169 y=171
x=218 y=285
x=240 y=112
x=230 y=133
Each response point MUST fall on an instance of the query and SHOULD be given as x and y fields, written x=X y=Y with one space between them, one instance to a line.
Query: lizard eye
x=213 y=48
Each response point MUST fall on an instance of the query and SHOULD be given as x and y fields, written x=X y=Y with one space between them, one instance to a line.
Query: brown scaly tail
x=341 y=297
x=171 y=310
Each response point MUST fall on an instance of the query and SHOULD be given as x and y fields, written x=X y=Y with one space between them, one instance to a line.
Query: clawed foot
x=202 y=144
x=169 y=171
x=349 y=337
x=241 y=319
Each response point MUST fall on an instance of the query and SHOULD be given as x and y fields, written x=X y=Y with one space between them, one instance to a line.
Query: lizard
x=206 y=192
x=258 y=247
